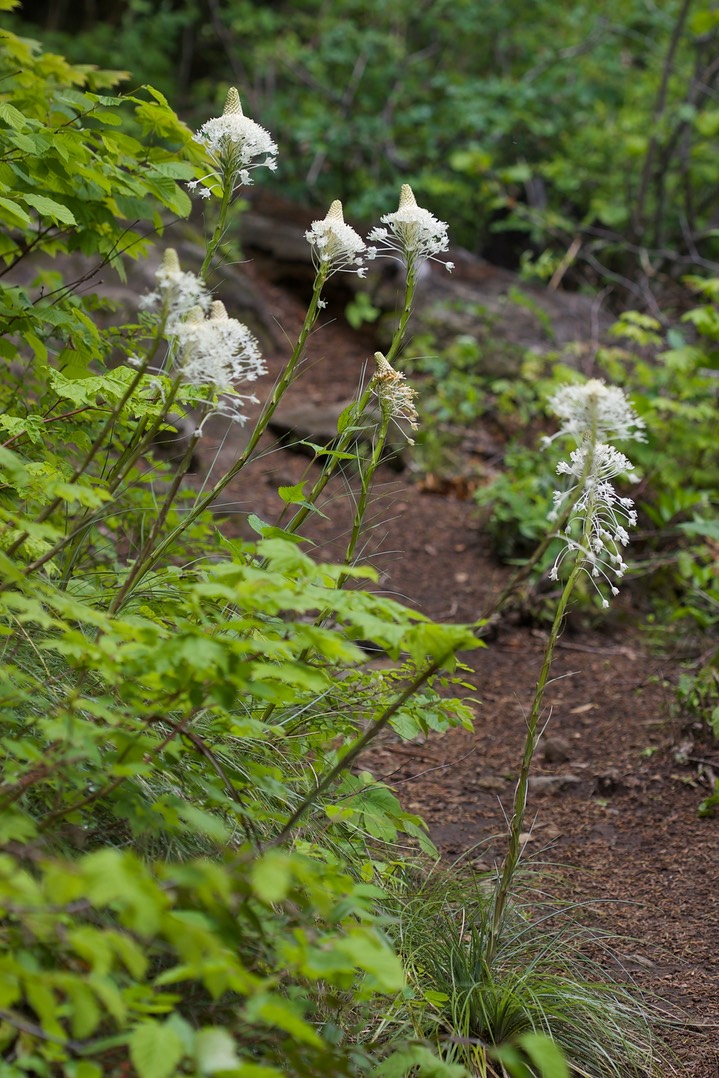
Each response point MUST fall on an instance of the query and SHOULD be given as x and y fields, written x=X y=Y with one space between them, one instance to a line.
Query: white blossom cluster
x=213 y=354
x=596 y=531
x=597 y=407
x=217 y=353
x=335 y=244
x=233 y=143
x=395 y=396
x=177 y=292
x=601 y=515
x=412 y=235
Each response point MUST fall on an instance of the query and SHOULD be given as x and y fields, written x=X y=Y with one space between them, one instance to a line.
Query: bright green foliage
x=160 y=909
x=572 y=120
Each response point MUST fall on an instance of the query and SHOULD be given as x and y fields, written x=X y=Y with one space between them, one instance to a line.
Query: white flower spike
x=177 y=292
x=396 y=398
x=598 y=407
x=233 y=143
x=216 y=354
x=335 y=244
x=413 y=234
x=596 y=530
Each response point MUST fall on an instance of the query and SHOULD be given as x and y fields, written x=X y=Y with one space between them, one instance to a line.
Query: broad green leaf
x=48 y=207
x=272 y=876
x=16 y=211
x=545 y=1055
x=274 y=1011
x=369 y=953
x=12 y=116
x=215 y=1050
x=155 y=1050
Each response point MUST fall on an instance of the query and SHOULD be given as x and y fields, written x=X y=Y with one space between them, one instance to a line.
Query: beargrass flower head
x=335 y=244
x=396 y=398
x=594 y=517
x=177 y=292
x=234 y=144
x=216 y=354
x=594 y=407
x=412 y=235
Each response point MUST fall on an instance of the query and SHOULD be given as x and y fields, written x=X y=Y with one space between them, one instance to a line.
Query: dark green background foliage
x=525 y=125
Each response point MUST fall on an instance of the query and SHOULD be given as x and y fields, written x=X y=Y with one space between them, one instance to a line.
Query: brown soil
x=619 y=824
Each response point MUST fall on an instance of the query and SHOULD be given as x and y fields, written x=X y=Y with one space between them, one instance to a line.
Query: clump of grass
x=539 y=979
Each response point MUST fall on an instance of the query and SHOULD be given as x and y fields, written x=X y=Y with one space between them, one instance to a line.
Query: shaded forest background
x=564 y=138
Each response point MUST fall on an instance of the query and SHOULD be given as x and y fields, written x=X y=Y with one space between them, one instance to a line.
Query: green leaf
x=277 y=1012
x=215 y=1050
x=545 y=1055
x=202 y=822
x=272 y=877
x=16 y=211
x=12 y=116
x=368 y=952
x=48 y=207
x=708 y=529
x=293 y=495
x=420 y=1060
x=155 y=1050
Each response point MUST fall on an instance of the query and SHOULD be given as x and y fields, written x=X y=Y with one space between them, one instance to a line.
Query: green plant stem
x=139 y=568
x=76 y=538
x=347 y=436
x=366 y=478
x=219 y=228
x=512 y=856
x=409 y=291
x=358 y=747
x=511 y=859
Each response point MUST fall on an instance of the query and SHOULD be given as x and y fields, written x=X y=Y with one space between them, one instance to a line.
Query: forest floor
x=613 y=811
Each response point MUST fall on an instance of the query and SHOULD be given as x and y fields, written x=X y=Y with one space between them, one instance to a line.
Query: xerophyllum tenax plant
x=412 y=235
x=597 y=517
x=593 y=518
x=211 y=354
x=335 y=245
x=396 y=398
x=233 y=143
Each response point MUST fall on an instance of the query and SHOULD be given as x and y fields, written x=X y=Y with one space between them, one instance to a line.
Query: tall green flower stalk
x=593 y=520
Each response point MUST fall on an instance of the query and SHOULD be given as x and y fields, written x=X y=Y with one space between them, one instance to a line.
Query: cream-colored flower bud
x=396 y=398
x=170 y=261
x=218 y=311
x=335 y=244
x=232 y=103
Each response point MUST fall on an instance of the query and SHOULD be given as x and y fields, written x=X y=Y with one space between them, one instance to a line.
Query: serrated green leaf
x=48 y=207
x=12 y=116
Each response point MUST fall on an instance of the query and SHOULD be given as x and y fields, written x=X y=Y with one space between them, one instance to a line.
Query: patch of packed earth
x=613 y=808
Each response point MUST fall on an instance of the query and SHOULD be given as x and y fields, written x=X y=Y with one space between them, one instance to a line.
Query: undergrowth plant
x=196 y=877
